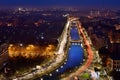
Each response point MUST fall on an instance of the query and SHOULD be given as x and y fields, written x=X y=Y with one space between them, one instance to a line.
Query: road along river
x=74 y=58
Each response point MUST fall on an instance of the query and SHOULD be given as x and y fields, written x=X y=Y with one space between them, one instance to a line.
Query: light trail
x=60 y=57
x=64 y=40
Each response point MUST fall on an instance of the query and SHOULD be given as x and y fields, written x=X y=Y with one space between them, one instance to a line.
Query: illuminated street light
x=42 y=37
x=64 y=63
x=11 y=45
x=50 y=74
x=21 y=44
x=57 y=70
x=61 y=66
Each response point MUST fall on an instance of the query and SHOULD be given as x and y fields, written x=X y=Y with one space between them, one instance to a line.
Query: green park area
x=85 y=75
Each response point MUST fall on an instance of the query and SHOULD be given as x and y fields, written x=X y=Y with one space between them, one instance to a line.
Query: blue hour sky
x=110 y=4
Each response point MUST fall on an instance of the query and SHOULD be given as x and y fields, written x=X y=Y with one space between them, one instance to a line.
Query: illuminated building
x=30 y=51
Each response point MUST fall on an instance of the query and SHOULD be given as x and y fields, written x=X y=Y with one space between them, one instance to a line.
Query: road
x=38 y=70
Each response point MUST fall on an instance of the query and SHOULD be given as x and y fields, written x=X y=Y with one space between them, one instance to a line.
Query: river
x=74 y=58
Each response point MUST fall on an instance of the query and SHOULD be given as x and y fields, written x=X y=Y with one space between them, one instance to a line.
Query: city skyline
x=66 y=40
x=82 y=4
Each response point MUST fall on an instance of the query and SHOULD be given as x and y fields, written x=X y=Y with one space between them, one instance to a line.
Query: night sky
x=110 y=4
